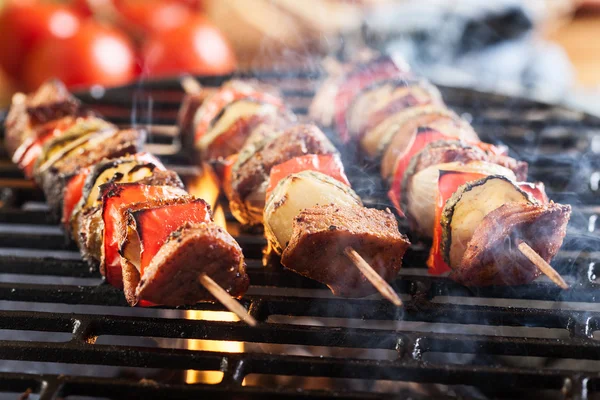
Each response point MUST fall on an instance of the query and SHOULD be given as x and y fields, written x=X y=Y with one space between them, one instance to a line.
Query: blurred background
x=545 y=49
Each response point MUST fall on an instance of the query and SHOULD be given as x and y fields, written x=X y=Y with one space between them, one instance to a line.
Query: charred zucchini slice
x=467 y=208
x=74 y=136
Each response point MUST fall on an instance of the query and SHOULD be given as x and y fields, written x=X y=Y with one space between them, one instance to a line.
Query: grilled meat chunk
x=492 y=257
x=142 y=228
x=250 y=174
x=171 y=278
x=51 y=101
x=320 y=235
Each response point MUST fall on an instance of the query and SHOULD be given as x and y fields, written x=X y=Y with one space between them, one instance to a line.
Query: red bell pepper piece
x=154 y=225
x=72 y=194
x=215 y=103
x=117 y=197
x=328 y=164
x=226 y=178
x=448 y=183
x=419 y=141
x=537 y=190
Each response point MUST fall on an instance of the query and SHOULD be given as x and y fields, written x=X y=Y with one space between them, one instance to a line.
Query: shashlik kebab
x=289 y=178
x=131 y=217
x=468 y=196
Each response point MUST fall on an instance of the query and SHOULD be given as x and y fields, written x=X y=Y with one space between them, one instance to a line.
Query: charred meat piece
x=147 y=226
x=50 y=102
x=185 y=117
x=250 y=174
x=464 y=211
x=171 y=278
x=320 y=235
x=492 y=257
x=117 y=198
x=106 y=145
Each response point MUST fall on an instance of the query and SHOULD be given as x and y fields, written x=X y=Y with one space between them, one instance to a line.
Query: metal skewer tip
x=225 y=298
x=191 y=85
x=378 y=282
x=542 y=264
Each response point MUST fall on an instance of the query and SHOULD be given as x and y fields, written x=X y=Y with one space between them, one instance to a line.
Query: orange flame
x=206 y=186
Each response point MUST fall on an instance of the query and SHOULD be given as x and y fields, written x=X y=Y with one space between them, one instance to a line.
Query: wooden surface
x=581 y=40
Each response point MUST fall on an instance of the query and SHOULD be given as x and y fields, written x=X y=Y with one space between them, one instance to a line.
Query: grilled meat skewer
x=426 y=153
x=280 y=173
x=130 y=217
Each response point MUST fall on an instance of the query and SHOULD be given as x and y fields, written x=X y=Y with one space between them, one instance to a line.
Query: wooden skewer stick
x=225 y=298
x=191 y=85
x=380 y=284
x=541 y=264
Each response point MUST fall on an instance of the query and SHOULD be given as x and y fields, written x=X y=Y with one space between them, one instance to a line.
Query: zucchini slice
x=297 y=192
x=422 y=189
x=73 y=137
x=468 y=206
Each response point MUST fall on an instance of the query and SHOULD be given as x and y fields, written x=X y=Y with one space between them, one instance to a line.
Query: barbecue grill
x=531 y=341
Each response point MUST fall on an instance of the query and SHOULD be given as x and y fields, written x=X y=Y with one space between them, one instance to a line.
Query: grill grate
x=472 y=341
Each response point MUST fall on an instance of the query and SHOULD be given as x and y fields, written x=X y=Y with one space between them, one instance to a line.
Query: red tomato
x=154 y=16
x=448 y=183
x=192 y=4
x=83 y=6
x=194 y=47
x=328 y=164
x=97 y=54
x=25 y=23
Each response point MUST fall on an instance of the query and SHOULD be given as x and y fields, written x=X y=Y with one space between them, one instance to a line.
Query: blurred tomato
x=193 y=4
x=196 y=47
x=83 y=6
x=97 y=54
x=152 y=16
x=25 y=23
